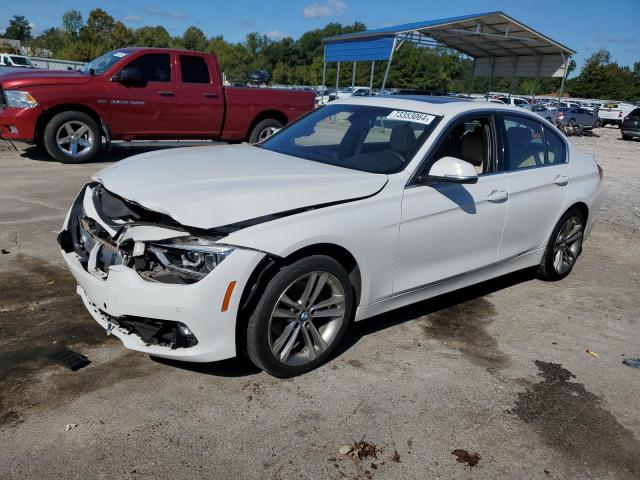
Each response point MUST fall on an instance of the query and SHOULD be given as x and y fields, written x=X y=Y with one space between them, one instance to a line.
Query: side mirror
x=451 y=170
x=128 y=75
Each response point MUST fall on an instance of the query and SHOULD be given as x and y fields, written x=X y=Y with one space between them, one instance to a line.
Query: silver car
x=577 y=117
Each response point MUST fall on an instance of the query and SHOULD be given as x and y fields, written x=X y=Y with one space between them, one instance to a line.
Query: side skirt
x=434 y=289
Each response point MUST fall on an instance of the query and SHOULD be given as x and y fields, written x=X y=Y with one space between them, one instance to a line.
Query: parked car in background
x=541 y=110
x=198 y=254
x=631 y=125
x=576 y=117
x=11 y=60
x=353 y=92
x=515 y=101
x=614 y=113
x=139 y=94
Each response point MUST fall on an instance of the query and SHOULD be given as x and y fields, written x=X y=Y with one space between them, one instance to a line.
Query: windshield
x=359 y=137
x=21 y=61
x=104 y=62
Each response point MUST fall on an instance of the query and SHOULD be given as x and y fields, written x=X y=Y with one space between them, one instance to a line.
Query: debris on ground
x=5 y=252
x=70 y=359
x=364 y=449
x=70 y=426
x=632 y=362
x=592 y=353
x=345 y=449
x=464 y=456
x=395 y=457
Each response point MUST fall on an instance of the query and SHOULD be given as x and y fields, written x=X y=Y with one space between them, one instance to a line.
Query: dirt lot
x=500 y=369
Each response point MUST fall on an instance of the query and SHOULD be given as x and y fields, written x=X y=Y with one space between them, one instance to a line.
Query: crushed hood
x=215 y=186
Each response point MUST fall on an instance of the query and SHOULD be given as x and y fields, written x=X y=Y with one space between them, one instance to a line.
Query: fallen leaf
x=592 y=353
x=51 y=282
x=463 y=456
x=345 y=449
x=396 y=456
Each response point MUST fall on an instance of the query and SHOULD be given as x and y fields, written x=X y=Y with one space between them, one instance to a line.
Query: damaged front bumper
x=147 y=307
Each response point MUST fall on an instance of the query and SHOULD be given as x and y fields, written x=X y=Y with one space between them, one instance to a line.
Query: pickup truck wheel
x=72 y=137
x=264 y=129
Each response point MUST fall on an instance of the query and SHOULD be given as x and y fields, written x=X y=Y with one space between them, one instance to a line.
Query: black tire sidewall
x=49 y=137
x=254 y=136
x=546 y=269
x=257 y=329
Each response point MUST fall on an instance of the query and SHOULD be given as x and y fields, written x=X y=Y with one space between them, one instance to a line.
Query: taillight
x=600 y=171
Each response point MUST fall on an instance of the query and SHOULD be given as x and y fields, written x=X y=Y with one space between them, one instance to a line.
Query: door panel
x=147 y=109
x=449 y=229
x=201 y=102
x=537 y=177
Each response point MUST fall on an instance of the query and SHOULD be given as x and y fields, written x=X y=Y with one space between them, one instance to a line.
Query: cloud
x=163 y=13
x=248 y=22
x=132 y=18
x=276 y=35
x=327 y=9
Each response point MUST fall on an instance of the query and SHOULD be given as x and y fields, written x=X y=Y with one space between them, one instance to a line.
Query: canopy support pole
x=493 y=64
x=337 y=79
x=513 y=77
x=564 y=77
x=386 y=72
x=324 y=76
x=353 y=75
x=373 y=67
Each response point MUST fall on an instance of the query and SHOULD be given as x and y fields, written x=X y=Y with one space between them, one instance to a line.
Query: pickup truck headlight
x=19 y=99
x=190 y=258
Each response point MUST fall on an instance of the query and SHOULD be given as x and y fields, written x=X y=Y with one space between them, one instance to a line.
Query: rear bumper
x=19 y=123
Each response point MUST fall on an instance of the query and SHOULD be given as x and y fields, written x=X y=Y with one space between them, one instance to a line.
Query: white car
x=11 y=60
x=353 y=92
x=360 y=207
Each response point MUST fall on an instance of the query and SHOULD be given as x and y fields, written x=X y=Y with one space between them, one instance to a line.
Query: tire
x=597 y=124
x=264 y=129
x=279 y=338
x=550 y=268
x=626 y=137
x=72 y=137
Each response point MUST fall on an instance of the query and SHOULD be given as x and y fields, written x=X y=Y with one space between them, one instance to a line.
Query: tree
x=72 y=23
x=194 y=39
x=152 y=37
x=19 y=29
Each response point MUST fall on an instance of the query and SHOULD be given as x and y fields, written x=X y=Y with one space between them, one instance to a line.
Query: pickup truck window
x=154 y=67
x=105 y=62
x=194 y=69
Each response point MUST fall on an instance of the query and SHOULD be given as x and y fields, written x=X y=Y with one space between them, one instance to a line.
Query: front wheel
x=264 y=129
x=564 y=247
x=72 y=137
x=301 y=317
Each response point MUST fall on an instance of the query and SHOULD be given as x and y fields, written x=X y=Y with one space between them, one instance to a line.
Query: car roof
x=428 y=104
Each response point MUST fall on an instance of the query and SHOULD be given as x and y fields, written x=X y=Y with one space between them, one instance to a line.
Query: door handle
x=165 y=93
x=561 y=180
x=498 y=196
x=210 y=95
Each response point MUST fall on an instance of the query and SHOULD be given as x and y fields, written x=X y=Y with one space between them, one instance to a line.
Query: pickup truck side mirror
x=130 y=75
x=451 y=170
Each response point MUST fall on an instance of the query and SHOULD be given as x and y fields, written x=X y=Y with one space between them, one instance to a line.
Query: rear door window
x=524 y=147
x=556 y=149
x=194 y=69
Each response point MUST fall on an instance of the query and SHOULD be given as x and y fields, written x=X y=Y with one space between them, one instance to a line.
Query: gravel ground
x=499 y=369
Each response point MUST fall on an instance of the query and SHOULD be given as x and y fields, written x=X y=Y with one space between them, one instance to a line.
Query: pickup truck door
x=148 y=108
x=200 y=97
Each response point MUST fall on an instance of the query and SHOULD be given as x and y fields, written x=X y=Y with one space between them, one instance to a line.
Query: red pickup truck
x=138 y=93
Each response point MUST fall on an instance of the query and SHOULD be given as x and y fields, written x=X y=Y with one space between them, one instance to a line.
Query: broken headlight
x=191 y=258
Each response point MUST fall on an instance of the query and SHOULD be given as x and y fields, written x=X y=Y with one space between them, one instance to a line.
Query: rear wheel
x=72 y=137
x=301 y=317
x=598 y=124
x=264 y=129
x=626 y=137
x=564 y=247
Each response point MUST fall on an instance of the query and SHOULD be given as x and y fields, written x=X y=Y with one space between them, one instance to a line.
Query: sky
x=583 y=25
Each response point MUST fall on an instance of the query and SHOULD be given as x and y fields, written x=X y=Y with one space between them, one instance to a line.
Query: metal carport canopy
x=498 y=44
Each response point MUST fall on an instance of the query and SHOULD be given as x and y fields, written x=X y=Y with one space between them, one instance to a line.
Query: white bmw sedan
x=360 y=207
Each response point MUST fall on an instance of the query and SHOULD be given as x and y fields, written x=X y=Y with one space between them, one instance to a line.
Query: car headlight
x=19 y=99
x=191 y=258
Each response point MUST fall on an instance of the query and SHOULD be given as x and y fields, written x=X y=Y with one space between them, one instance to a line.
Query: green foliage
x=300 y=62
x=18 y=29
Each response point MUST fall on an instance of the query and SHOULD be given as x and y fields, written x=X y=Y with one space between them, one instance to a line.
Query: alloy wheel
x=306 y=319
x=266 y=133
x=568 y=245
x=75 y=138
